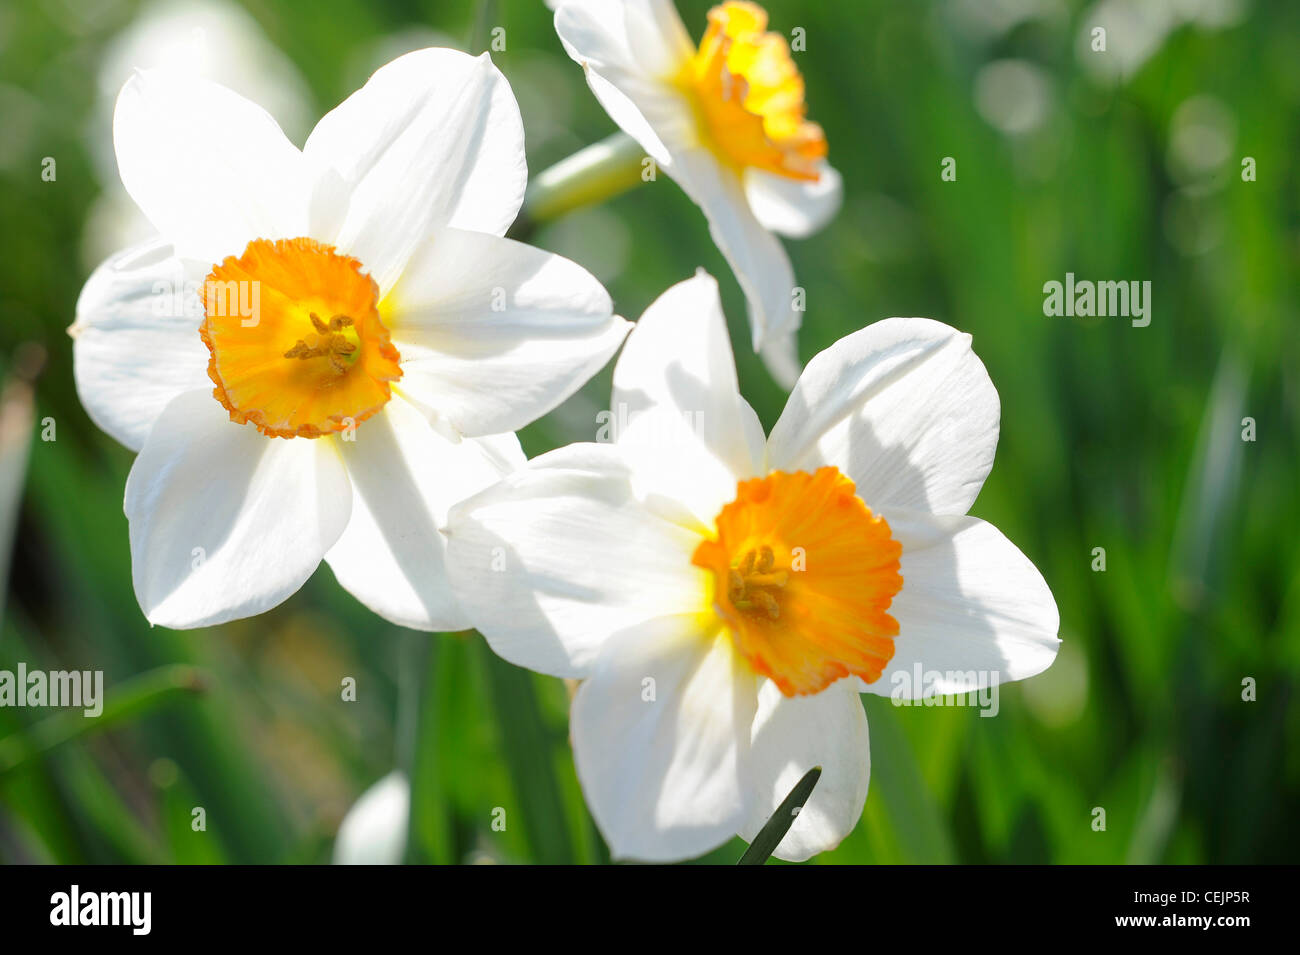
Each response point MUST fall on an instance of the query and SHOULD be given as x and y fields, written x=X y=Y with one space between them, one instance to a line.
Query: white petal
x=629 y=53
x=675 y=473
x=501 y=451
x=762 y=268
x=433 y=139
x=494 y=333
x=643 y=36
x=904 y=408
x=755 y=437
x=405 y=477
x=781 y=359
x=561 y=555
x=136 y=343
x=791 y=736
x=226 y=522
x=660 y=735
x=678 y=361
x=211 y=170
x=794 y=207
x=374 y=830
x=973 y=611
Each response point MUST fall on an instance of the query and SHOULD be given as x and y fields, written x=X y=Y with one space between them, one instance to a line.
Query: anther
x=749 y=584
x=335 y=346
x=768 y=604
x=735 y=586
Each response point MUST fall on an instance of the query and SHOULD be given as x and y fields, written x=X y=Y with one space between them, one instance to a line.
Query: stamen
x=336 y=347
x=768 y=603
x=751 y=582
x=735 y=586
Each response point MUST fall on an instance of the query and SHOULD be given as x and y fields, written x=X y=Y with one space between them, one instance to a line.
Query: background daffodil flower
x=727 y=121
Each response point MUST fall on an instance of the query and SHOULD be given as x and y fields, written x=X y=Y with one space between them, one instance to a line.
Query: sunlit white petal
x=761 y=265
x=136 y=343
x=494 y=333
x=904 y=408
x=781 y=359
x=210 y=170
x=794 y=207
x=660 y=736
x=405 y=477
x=678 y=361
x=674 y=472
x=629 y=52
x=561 y=555
x=224 y=522
x=973 y=612
x=433 y=139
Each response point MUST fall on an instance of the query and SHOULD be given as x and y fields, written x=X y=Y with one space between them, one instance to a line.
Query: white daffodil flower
x=726 y=597
x=371 y=336
x=727 y=121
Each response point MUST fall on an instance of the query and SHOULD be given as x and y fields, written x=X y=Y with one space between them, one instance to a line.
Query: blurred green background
x=1118 y=165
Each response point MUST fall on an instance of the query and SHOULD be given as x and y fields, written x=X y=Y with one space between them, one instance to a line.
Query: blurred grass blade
x=130 y=699
x=914 y=820
x=430 y=837
x=1155 y=826
x=17 y=422
x=1212 y=483
x=110 y=819
x=774 y=830
x=529 y=757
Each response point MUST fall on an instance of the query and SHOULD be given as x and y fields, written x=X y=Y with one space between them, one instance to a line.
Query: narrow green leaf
x=913 y=819
x=105 y=813
x=529 y=755
x=774 y=830
x=177 y=802
x=126 y=701
x=430 y=838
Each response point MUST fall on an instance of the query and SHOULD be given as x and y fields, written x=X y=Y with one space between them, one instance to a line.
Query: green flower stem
x=588 y=177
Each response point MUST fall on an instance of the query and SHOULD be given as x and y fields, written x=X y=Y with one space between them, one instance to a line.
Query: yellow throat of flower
x=297 y=346
x=803 y=574
x=749 y=95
